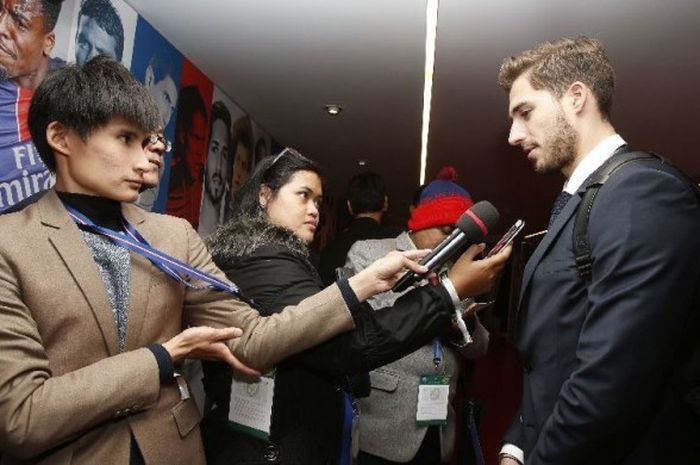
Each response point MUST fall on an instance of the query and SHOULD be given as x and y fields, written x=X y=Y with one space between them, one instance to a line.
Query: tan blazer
x=66 y=393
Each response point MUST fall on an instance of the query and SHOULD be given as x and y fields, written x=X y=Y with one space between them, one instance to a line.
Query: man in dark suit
x=605 y=363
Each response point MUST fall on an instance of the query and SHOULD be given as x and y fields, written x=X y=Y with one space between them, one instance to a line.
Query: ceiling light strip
x=430 y=39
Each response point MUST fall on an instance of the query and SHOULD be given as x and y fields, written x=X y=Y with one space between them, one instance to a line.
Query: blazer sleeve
x=384 y=335
x=265 y=340
x=378 y=337
x=39 y=410
x=644 y=235
x=363 y=253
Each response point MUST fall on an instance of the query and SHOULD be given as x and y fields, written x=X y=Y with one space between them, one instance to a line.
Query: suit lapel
x=140 y=280
x=68 y=242
x=547 y=242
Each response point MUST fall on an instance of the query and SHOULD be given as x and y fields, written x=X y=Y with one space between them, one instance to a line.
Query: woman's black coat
x=271 y=266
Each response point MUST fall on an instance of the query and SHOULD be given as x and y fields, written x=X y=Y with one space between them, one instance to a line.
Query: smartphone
x=507 y=237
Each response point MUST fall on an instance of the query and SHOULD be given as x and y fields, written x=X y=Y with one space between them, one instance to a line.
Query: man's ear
x=350 y=209
x=57 y=138
x=49 y=42
x=577 y=96
x=386 y=204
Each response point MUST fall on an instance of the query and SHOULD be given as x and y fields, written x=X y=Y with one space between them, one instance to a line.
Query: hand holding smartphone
x=507 y=238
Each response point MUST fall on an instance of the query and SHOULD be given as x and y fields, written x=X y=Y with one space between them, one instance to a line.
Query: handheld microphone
x=472 y=226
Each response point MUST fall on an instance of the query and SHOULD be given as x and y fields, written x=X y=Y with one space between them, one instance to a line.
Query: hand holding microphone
x=472 y=226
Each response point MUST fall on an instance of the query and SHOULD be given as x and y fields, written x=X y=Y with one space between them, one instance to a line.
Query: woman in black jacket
x=264 y=250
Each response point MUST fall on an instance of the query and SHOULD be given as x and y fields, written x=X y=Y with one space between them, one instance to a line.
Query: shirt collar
x=592 y=161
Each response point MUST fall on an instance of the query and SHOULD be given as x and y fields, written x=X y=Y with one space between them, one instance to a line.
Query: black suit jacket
x=602 y=362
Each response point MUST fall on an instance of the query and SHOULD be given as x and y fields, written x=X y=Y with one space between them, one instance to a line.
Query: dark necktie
x=558 y=206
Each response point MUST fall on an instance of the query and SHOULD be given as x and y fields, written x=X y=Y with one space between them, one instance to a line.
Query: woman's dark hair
x=273 y=172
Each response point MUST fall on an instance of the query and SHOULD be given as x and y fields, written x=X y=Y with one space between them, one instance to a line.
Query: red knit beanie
x=441 y=203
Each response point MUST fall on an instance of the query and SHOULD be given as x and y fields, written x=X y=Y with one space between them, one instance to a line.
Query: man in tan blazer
x=90 y=333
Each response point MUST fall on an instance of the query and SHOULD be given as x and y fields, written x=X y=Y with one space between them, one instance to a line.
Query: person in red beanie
x=392 y=423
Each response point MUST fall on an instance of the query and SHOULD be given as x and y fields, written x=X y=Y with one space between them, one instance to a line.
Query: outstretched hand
x=382 y=274
x=472 y=276
x=205 y=343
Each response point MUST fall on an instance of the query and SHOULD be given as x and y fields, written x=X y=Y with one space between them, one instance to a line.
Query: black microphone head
x=477 y=222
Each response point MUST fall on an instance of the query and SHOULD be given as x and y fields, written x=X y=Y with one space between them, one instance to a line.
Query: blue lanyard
x=437 y=353
x=132 y=240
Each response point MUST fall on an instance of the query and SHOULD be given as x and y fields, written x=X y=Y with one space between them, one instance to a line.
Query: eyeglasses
x=156 y=138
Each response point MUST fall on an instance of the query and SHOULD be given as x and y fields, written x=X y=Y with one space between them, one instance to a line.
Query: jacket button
x=527 y=368
x=271 y=454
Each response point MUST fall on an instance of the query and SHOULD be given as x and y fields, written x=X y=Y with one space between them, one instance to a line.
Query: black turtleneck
x=102 y=211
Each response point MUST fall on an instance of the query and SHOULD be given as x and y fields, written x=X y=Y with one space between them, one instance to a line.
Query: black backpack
x=585 y=259
x=582 y=247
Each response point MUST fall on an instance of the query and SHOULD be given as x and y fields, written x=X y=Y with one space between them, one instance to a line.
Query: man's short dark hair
x=106 y=16
x=87 y=97
x=556 y=64
x=366 y=193
x=220 y=112
x=51 y=10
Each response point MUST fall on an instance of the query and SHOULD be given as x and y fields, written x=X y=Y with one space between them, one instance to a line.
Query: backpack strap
x=582 y=246
x=690 y=369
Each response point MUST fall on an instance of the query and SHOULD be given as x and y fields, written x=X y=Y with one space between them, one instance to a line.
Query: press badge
x=433 y=396
x=250 y=408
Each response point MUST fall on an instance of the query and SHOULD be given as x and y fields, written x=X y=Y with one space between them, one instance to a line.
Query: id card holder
x=250 y=408
x=433 y=397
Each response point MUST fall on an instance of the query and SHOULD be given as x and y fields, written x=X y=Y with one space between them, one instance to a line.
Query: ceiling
x=282 y=61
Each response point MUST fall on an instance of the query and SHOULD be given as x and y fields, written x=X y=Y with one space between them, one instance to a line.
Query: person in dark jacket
x=367 y=203
x=263 y=249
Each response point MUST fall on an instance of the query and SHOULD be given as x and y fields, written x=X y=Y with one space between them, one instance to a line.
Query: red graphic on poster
x=190 y=144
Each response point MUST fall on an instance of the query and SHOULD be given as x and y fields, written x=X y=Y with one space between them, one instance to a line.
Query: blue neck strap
x=132 y=240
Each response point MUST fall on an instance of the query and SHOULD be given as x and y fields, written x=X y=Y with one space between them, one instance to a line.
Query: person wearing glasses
x=389 y=430
x=95 y=292
x=155 y=146
x=264 y=249
x=158 y=79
